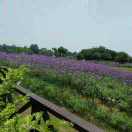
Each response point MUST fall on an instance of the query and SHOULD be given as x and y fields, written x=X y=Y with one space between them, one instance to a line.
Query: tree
x=89 y=54
x=122 y=57
x=130 y=59
x=5 y=48
x=47 y=52
x=99 y=53
x=55 y=51
x=61 y=51
x=106 y=56
x=34 y=48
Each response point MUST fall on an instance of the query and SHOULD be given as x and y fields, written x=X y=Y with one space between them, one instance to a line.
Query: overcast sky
x=74 y=24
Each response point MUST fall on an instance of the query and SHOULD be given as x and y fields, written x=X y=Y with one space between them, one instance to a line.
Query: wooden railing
x=38 y=104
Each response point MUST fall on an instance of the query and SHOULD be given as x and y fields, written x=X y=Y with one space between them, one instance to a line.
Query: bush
x=102 y=113
x=8 y=107
x=122 y=57
x=121 y=120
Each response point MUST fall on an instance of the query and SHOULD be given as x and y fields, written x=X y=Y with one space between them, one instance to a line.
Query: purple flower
x=66 y=65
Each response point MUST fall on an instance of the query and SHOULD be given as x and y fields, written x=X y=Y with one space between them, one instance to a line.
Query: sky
x=74 y=24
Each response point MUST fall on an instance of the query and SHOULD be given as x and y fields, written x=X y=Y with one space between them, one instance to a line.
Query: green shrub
x=80 y=92
x=20 y=123
x=102 y=113
x=121 y=120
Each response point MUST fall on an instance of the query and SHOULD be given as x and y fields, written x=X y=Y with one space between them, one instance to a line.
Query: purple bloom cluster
x=66 y=65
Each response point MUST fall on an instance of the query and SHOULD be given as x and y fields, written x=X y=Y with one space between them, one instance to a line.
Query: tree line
x=97 y=53
x=102 y=53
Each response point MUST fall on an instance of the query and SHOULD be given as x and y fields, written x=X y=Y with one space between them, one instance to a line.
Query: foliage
x=102 y=112
x=14 y=49
x=121 y=120
x=102 y=53
x=85 y=95
x=98 y=53
x=26 y=123
x=7 y=89
x=47 y=52
x=61 y=51
x=8 y=106
x=34 y=48
x=122 y=57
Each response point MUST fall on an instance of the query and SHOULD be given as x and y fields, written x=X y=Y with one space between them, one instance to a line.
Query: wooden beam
x=60 y=112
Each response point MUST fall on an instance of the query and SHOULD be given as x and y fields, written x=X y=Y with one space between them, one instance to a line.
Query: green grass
x=82 y=95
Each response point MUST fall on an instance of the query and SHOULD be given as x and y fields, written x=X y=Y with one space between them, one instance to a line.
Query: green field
x=105 y=102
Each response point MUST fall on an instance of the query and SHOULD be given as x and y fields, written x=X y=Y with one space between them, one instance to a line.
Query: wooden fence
x=38 y=104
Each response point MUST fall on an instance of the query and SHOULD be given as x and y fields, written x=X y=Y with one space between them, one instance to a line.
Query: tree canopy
x=96 y=53
x=102 y=53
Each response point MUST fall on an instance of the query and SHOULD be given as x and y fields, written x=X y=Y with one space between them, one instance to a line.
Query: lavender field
x=66 y=65
x=96 y=92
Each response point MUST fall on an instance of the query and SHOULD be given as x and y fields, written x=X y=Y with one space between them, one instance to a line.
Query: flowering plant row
x=65 y=65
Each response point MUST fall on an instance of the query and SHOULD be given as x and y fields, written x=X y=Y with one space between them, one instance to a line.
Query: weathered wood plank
x=60 y=112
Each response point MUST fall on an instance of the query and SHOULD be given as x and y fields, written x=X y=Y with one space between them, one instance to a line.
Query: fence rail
x=40 y=104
